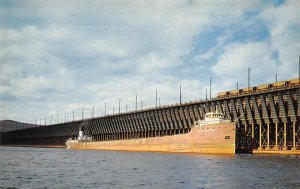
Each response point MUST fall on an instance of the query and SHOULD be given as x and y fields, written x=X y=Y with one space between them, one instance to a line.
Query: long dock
x=266 y=116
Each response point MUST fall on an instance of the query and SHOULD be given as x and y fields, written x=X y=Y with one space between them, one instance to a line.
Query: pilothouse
x=211 y=118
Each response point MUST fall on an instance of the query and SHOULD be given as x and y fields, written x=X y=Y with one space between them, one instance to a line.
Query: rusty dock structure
x=267 y=119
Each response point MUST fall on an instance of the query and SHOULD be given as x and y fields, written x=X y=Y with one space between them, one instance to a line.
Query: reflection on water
x=61 y=168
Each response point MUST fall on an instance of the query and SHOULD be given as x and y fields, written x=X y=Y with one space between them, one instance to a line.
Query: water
x=61 y=168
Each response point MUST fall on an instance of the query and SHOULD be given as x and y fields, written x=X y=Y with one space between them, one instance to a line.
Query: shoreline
x=35 y=146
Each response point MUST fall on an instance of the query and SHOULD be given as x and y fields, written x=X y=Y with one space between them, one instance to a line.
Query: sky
x=59 y=56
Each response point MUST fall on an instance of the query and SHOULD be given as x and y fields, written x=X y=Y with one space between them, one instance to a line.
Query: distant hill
x=9 y=125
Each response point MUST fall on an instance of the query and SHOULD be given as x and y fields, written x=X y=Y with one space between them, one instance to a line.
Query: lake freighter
x=214 y=134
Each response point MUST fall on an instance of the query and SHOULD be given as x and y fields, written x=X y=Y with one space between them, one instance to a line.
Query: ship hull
x=214 y=138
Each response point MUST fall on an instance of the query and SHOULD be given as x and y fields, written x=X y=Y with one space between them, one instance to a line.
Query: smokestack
x=180 y=94
x=210 y=80
x=93 y=112
x=119 y=106
x=248 y=79
x=135 y=102
x=156 y=99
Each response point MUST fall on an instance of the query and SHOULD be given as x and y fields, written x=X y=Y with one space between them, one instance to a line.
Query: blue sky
x=60 y=56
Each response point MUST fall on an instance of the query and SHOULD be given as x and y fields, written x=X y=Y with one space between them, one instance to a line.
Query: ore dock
x=266 y=119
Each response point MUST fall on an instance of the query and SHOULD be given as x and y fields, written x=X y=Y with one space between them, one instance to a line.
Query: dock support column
x=294 y=136
x=252 y=136
x=284 y=136
x=276 y=135
x=260 y=147
x=246 y=137
x=268 y=136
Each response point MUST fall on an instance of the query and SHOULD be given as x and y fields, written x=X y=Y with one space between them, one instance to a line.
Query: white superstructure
x=211 y=118
x=81 y=138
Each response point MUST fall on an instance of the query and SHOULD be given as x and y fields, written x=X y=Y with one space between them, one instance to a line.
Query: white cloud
x=284 y=26
x=284 y=40
x=102 y=47
x=29 y=66
x=232 y=66
x=74 y=54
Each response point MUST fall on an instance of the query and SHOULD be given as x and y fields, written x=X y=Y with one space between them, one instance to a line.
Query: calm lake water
x=60 y=168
